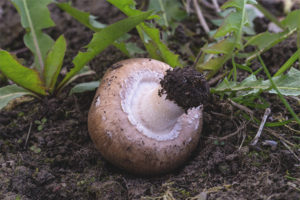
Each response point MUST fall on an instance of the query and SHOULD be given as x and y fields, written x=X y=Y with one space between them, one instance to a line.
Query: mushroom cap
x=121 y=140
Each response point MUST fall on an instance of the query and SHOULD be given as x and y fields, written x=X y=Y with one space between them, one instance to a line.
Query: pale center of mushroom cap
x=152 y=115
x=155 y=112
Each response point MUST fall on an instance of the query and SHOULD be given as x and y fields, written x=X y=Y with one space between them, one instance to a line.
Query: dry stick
x=200 y=16
x=28 y=134
x=216 y=79
x=231 y=134
x=188 y=6
x=216 y=5
x=207 y=4
x=276 y=135
x=262 y=124
x=241 y=107
x=243 y=140
x=197 y=59
x=290 y=150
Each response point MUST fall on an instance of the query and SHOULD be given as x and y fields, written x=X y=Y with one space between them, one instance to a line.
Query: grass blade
x=288 y=63
x=84 y=18
x=103 y=39
x=284 y=101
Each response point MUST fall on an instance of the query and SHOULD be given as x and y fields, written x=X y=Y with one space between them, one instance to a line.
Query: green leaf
x=225 y=46
x=172 y=12
x=85 y=71
x=288 y=85
x=239 y=4
x=213 y=65
x=11 y=92
x=35 y=16
x=54 y=62
x=84 y=18
x=235 y=21
x=90 y=22
x=23 y=76
x=265 y=41
x=133 y=49
x=232 y=23
x=292 y=20
x=83 y=87
x=126 y=6
x=149 y=35
x=103 y=39
x=167 y=55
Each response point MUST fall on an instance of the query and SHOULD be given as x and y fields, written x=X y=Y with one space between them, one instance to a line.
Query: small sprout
x=35 y=149
x=40 y=123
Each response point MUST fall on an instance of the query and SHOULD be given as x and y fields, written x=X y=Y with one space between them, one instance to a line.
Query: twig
x=262 y=124
x=188 y=6
x=241 y=107
x=28 y=134
x=197 y=59
x=200 y=16
x=22 y=50
x=276 y=135
x=207 y=4
x=216 y=79
x=282 y=140
x=231 y=134
x=216 y=5
x=290 y=150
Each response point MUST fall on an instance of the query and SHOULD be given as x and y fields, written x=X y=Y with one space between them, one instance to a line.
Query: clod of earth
x=134 y=122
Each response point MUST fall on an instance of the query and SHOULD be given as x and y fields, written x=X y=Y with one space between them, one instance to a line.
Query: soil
x=46 y=152
x=185 y=86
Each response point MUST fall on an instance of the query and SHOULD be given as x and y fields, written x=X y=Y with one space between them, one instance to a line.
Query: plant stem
x=288 y=63
x=284 y=101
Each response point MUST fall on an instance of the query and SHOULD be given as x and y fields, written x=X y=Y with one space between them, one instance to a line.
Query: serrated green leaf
x=11 y=92
x=21 y=75
x=90 y=22
x=149 y=35
x=232 y=23
x=84 y=18
x=83 y=87
x=54 y=62
x=167 y=55
x=265 y=41
x=224 y=46
x=126 y=6
x=172 y=12
x=288 y=85
x=292 y=20
x=35 y=16
x=235 y=22
x=133 y=49
x=103 y=39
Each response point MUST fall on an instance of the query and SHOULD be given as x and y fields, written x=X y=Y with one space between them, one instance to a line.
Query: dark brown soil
x=186 y=86
x=46 y=152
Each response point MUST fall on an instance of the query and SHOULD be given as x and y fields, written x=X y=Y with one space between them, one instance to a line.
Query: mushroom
x=137 y=129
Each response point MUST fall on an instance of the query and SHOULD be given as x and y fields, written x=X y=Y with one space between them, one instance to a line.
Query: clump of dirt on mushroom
x=186 y=86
